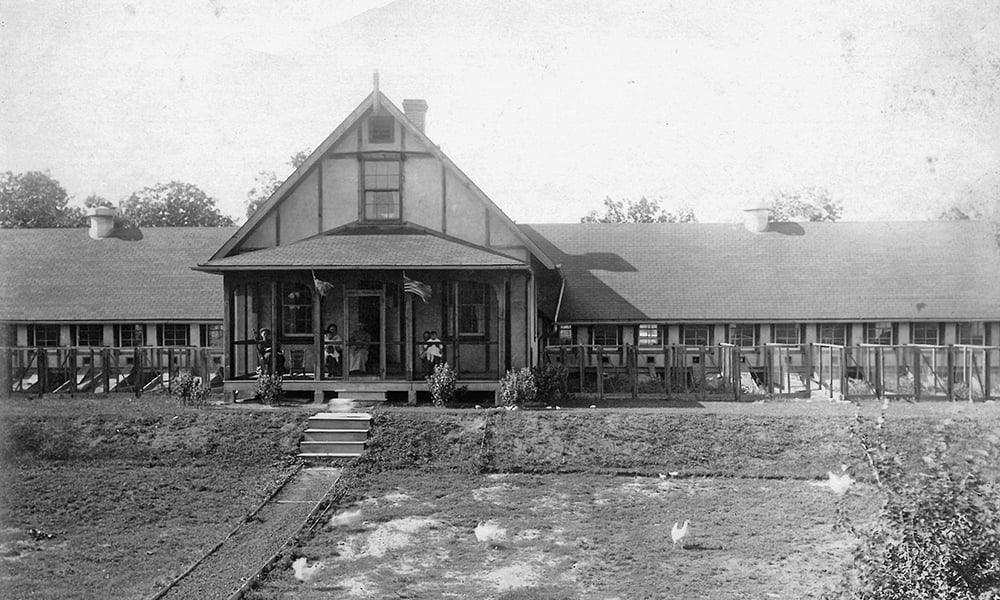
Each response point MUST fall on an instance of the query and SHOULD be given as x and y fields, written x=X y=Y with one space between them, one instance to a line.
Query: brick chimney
x=416 y=112
x=102 y=221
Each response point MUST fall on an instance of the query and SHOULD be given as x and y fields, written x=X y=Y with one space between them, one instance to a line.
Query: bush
x=190 y=389
x=937 y=533
x=268 y=387
x=517 y=388
x=550 y=383
x=441 y=383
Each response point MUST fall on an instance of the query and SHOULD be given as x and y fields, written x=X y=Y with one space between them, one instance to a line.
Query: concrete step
x=331 y=448
x=334 y=435
x=353 y=421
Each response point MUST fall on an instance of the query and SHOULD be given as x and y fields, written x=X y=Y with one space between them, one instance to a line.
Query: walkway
x=223 y=571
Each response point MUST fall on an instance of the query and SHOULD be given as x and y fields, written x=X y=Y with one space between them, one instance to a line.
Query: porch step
x=335 y=434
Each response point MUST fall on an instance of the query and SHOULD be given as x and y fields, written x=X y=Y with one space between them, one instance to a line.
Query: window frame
x=133 y=328
x=173 y=329
x=47 y=340
x=936 y=327
x=841 y=331
x=644 y=340
x=874 y=332
x=978 y=330
x=481 y=316
x=797 y=327
x=91 y=328
x=297 y=323
x=688 y=328
x=754 y=334
x=565 y=340
x=382 y=120
x=604 y=327
x=373 y=185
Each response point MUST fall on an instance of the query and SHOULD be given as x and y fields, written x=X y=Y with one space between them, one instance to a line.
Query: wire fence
x=955 y=372
x=36 y=371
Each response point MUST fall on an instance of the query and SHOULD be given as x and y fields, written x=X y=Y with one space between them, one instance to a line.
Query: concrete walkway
x=222 y=572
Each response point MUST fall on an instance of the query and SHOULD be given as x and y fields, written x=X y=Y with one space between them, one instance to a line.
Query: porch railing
x=72 y=370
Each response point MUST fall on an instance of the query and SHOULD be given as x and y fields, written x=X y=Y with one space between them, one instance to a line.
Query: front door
x=365 y=319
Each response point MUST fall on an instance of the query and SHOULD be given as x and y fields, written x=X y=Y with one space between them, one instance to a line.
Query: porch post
x=408 y=334
x=320 y=364
x=274 y=326
x=227 y=330
x=500 y=290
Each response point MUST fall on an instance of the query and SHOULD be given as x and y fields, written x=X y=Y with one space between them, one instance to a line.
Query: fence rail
x=956 y=372
x=36 y=371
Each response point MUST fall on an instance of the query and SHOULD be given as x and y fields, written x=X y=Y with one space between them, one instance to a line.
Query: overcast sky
x=548 y=106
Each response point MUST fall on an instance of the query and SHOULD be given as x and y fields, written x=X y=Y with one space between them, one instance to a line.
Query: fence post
x=879 y=372
x=581 y=368
x=600 y=372
x=6 y=370
x=734 y=373
x=769 y=365
x=807 y=362
x=916 y=375
x=843 y=373
x=950 y=365
x=634 y=351
x=987 y=379
x=667 y=370
x=137 y=370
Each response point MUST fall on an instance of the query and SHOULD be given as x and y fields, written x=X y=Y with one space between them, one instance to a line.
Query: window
x=471 y=309
x=649 y=334
x=973 y=334
x=565 y=334
x=43 y=335
x=696 y=335
x=833 y=333
x=296 y=309
x=604 y=335
x=744 y=336
x=880 y=333
x=211 y=336
x=381 y=190
x=928 y=334
x=129 y=335
x=174 y=334
x=89 y=335
x=786 y=333
x=381 y=129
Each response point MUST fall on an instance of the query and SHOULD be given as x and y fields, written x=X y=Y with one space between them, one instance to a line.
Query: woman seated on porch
x=332 y=346
x=360 y=340
x=264 y=345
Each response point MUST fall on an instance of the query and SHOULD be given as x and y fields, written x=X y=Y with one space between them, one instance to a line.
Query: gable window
x=381 y=129
x=381 y=190
x=649 y=334
x=833 y=333
x=88 y=335
x=43 y=335
x=786 y=333
x=926 y=334
x=972 y=334
x=174 y=334
x=296 y=309
x=882 y=333
x=471 y=309
x=604 y=335
x=696 y=335
x=743 y=335
x=129 y=335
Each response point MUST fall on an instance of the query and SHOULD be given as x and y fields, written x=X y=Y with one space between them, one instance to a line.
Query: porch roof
x=396 y=250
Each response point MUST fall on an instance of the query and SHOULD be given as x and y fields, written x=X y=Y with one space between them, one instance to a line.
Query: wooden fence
x=36 y=371
x=955 y=372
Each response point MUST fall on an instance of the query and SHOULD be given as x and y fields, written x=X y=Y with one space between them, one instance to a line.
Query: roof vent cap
x=102 y=221
x=756 y=219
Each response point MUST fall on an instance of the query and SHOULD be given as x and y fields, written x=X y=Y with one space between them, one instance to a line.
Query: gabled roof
x=906 y=271
x=379 y=100
x=369 y=248
x=63 y=275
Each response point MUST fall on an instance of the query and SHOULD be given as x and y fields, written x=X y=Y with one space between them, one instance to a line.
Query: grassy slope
x=132 y=492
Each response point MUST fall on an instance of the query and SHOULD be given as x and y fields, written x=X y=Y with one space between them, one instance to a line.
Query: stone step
x=331 y=448
x=353 y=421
x=334 y=435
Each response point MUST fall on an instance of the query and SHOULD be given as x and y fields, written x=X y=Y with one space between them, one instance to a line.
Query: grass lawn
x=577 y=536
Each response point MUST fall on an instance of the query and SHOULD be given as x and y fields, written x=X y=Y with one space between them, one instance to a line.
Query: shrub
x=517 y=388
x=936 y=534
x=441 y=383
x=268 y=387
x=190 y=389
x=550 y=383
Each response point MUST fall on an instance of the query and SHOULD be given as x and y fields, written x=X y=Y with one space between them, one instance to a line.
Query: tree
x=810 y=204
x=35 y=199
x=266 y=182
x=174 y=204
x=641 y=211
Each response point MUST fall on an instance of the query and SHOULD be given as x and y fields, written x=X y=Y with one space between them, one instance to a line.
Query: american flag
x=412 y=286
x=322 y=287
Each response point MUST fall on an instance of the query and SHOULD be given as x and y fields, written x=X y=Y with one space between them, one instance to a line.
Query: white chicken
x=678 y=533
x=303 y=572
x=490 y=532
x=348 y=518
x=839 y=483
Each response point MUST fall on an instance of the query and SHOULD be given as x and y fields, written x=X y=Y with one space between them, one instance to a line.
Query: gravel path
x=223 y=572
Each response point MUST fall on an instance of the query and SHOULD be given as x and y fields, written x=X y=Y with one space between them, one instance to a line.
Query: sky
x=549 y=106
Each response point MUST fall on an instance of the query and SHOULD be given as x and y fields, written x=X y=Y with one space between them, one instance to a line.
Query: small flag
x=322 y=287
x=412 y=286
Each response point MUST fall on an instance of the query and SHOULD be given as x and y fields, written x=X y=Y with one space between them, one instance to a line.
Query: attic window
x=381 y=129
x=381 y=190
